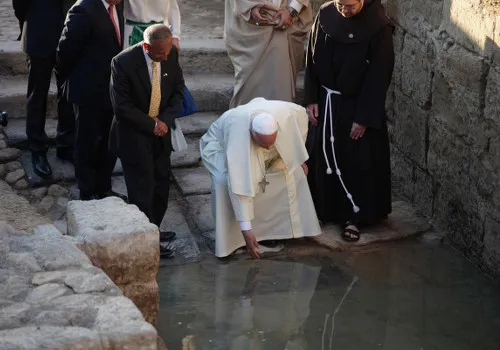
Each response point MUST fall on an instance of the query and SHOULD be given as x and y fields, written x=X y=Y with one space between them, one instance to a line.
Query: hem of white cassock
x=284 y=211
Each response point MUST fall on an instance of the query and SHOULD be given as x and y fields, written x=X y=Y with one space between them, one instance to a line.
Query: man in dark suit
x=91 y=37
x=42 y=22
x=147 y=93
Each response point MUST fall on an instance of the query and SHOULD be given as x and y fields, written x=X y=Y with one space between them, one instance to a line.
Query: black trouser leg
x=93 y=162
x=147 y=182
x=106 y=160
x=162 y=182
x=40 y=71
x=65 y=138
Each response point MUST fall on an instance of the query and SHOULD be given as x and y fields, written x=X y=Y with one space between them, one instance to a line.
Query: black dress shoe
x=65 y=154
x=166 y=253
x=41 y=165
x=166 y=236
x=112 y=194
x=88 y=197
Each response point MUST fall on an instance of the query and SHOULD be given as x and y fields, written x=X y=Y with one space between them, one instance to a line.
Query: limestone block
x=402 y=222
x=46 y=204
x=492 y=100
x=470 y=24
x=12 y=316
x=145 y=296
x=410 y=129
x=423 y=191
x=193 y=180
x=402 y=174
x=14 y=176
x=9 y=154
x=457 y=213
x=200 y=208
x=85 y=282
x=57 y=191
x=48 y=277
x=417 y=17
x=491 y=254
x=24 y=262
x=15 y=287
x=39 y=192
x=416 y=72
x=50 y=337
x=458 y=94
x=119 y=239
x=121 y=326
x=21 y=185
x=46 y=292
x=11 y=166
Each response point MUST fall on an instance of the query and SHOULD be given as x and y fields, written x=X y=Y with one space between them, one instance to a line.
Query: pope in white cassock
x=256 y=156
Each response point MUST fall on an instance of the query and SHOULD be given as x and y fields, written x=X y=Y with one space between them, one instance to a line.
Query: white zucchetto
x=264 y=124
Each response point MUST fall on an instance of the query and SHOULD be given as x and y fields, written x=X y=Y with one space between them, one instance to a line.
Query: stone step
x=15 y=132
x=197 y=55
x=212 y=92
x=64 y=171
x=193 y=181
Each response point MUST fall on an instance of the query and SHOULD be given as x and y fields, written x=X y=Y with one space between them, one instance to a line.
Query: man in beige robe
x=259 y=185
x=265 y=41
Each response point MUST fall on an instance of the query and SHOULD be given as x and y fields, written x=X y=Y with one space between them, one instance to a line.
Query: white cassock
x=237 y=165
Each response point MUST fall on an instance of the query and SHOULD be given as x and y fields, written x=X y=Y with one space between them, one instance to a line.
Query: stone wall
x=444 y=118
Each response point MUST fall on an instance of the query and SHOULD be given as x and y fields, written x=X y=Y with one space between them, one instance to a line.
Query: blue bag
x=188 y=105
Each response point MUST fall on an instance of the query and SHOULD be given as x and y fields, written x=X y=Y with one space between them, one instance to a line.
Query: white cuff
x=245 y=225
x=296 y=5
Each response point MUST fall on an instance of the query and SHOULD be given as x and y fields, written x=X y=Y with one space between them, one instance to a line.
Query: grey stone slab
x=17 y=211
x=200 y=209
x=193 y=180
x=198 y=123
x=197 y=55
x=212 y=92
x=15 y=133
x=188 y=157
x=61 y=170
x=9 y=154
x=13 y=96
x=402 y=222
x=184 y=245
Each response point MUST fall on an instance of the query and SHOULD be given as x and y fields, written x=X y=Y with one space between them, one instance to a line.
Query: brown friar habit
x=351 y=60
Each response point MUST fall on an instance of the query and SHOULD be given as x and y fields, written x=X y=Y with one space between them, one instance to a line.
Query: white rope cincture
x=328 y=108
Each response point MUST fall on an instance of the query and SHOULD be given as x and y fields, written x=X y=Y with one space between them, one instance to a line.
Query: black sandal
x=351 y=229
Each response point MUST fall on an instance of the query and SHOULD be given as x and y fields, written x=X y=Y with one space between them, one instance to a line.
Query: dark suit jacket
x=132 y=129
x=43 y=22
x=87 y=46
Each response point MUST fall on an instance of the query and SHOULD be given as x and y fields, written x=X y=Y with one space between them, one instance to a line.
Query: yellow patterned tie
x=154 y=105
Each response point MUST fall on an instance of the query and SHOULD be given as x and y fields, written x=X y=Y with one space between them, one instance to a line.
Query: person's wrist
x=293 y=12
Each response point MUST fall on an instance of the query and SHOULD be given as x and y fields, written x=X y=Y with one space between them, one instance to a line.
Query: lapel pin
x=165 y=75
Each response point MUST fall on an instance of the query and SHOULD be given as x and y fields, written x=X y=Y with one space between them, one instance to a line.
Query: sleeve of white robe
x=243 y=207
x=174 y=19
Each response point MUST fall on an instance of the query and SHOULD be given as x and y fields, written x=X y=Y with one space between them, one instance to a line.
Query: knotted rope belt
x=329 y=114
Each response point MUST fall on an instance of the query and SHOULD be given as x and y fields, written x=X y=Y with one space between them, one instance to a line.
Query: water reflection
x=402 y=297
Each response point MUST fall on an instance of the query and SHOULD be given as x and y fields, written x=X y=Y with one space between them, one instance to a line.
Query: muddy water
x=408 y=295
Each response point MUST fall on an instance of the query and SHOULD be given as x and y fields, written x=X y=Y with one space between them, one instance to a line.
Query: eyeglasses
x=351 y=7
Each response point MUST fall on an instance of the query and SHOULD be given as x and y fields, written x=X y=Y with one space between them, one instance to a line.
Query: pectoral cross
x=263 y=184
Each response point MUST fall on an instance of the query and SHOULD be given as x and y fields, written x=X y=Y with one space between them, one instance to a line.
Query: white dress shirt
x=293 y=3
x=145 y=11
x=115 y=16
x=149 y=63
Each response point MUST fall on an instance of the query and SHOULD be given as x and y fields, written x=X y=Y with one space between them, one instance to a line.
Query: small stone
x=9 y=154
x=48 y=277
x=3 y=171
x=21 y=185
x=61 y=226
x=11 y=166
x=3 y=144
x=46 y=204
x=57 y=191
x=45 y=293
x=24 y=261
x=87 y=283
x=62 y=202
x=39 y=192
x=14 y=176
